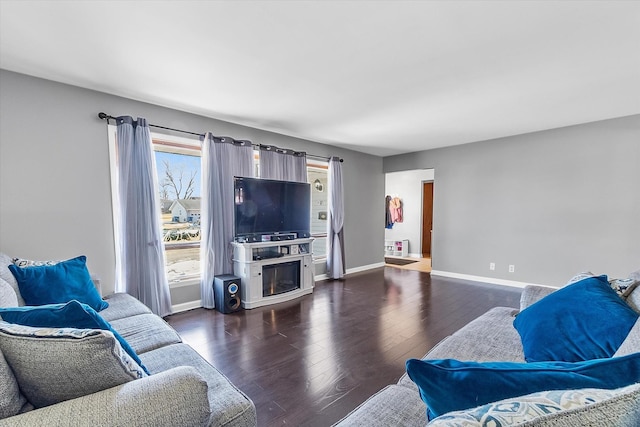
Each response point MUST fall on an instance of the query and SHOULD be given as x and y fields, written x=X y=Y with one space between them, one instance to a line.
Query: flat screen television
x=264 y=207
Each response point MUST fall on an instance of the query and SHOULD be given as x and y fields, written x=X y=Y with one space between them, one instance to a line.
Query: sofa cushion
x=122 y=305
x=229 y=406
x=7 y=276
x=12 y=401
x=73 y=314
x=177 y=397
x=392 y=406
x=449 y=385
x=8 y=297
x=58 y=283
x=531 y=294
x=583 y=321
x=631 y=343
x=633 y=299
x=146 y=332
x=500 y=342
x=56 y=364
x=524 y=409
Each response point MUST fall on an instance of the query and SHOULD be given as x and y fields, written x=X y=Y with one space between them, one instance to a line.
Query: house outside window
x=178 y=166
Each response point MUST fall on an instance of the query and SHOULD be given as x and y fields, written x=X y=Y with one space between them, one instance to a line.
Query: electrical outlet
x=512 y=268
x=492 y=266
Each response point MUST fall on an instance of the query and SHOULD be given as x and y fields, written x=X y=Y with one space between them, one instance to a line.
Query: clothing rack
x=107 y=117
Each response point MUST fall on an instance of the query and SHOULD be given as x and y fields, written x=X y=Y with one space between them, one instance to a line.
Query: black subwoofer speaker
x=226 y=291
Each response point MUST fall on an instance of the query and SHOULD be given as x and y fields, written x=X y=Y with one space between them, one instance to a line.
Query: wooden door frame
x=422 y=223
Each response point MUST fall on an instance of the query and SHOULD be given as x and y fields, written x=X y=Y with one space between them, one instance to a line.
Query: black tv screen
x=264 y=206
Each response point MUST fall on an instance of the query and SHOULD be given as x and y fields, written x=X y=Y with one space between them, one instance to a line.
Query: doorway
x=427 y=218
x=408 y=186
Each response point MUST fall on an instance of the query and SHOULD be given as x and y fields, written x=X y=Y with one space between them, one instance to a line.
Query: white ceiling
x=382 y=77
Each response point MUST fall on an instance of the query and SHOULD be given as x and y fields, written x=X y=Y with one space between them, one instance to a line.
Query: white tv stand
x=261 y=264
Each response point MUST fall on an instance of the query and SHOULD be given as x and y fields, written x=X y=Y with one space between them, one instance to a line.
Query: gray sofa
x=492 y=337
x=182 y=390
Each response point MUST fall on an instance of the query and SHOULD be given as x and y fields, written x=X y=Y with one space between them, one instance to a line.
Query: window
x=317 y=175
x=178 y=166
x=179 y=172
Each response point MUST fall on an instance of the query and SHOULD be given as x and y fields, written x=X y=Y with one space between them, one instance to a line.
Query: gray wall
x=552 y=203
x=54 y=173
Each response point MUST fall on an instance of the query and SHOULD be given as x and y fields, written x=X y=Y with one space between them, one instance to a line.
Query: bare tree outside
x=178 y=182
x=164 y=190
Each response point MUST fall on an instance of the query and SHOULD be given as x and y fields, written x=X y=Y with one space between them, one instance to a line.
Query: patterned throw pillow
x=21 y=262
x=56 y=364
x=624 y=287
x=510 y=412
x=580 y=276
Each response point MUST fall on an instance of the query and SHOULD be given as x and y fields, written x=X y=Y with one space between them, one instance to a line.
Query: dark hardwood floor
x=309 y=362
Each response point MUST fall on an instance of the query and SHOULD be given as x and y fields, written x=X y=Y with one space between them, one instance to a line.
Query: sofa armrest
x=174 y=397
x=534 y=293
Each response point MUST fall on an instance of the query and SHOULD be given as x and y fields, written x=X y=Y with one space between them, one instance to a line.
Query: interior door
x=427 y=218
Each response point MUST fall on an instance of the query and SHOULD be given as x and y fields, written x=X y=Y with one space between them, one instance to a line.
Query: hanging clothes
x=395 y=208
x=388 y=222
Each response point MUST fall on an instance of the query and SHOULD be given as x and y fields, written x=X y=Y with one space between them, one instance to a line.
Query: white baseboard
x=365 y=267
x=415 y=255
x=186 y=306
x=320 y=277
x=492 y=280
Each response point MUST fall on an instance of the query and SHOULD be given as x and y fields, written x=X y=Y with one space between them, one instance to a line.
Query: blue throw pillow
x=73 y=314
x=449 y=385
x=59 y=283
x=583 y=321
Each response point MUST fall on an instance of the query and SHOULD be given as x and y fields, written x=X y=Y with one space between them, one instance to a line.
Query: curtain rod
x=107 y=117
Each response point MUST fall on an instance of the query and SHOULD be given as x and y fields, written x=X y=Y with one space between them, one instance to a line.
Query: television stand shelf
x=273 y=272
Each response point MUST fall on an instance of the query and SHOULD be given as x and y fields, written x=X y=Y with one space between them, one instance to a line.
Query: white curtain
x=222 y=159
x=140 y=261
x=335 y=225
x=283 y=165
